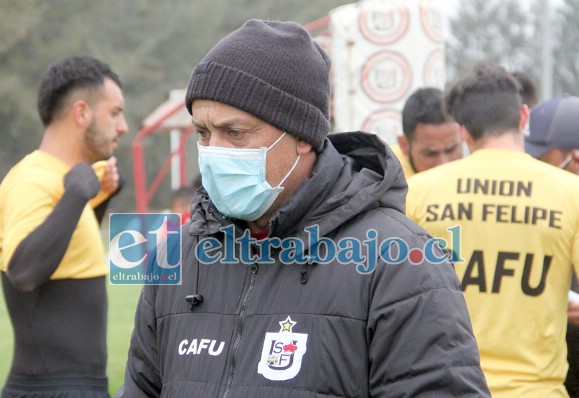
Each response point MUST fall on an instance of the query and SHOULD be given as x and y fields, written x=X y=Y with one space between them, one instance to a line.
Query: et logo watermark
x=145 y=249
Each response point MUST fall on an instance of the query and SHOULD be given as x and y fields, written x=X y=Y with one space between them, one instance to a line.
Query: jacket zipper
x=254 y=268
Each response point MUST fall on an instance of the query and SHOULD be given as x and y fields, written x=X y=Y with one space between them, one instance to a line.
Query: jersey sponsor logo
x=199 y=346
x=282 y=352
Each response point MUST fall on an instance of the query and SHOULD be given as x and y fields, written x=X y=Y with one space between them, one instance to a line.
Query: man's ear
x=524 y=118
x=466 y=137
x=303 y=147
x=81 y=113
x=403 y=144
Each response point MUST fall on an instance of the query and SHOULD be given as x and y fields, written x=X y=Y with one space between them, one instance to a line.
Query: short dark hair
x=486 y=102
x=425 y=105
x=66 y=76
x=529 y=93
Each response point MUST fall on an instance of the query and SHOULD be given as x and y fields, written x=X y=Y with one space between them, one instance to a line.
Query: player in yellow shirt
x=553 y=139
x=431 y=137
x=519 y=240
x=52 y=261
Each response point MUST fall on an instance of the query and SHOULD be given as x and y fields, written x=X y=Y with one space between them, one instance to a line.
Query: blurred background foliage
x=154 y=45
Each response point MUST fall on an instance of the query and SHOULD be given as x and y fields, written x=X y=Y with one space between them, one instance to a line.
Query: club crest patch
x=282 y=352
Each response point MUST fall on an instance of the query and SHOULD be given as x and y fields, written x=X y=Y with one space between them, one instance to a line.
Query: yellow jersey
x=512 y=223
x=28 y=194
x=404 y=161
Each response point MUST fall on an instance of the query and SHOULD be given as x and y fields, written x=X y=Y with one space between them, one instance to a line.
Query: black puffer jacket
x=317 y=330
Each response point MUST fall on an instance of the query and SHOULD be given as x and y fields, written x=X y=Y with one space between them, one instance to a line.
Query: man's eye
x=235 y=133
x=202 y=133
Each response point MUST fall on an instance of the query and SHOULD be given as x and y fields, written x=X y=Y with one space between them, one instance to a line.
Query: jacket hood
x=364 y=174
x=355 y=172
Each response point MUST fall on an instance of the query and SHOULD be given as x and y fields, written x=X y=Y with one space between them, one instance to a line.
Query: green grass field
x=122 y=304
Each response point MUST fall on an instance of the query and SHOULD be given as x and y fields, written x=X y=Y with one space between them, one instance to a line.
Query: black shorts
x=55 y=387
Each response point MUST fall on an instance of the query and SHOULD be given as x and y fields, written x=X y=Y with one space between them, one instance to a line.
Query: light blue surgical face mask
x=235 y=180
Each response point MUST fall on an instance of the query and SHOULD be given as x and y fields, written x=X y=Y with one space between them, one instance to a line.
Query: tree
x=566 y=65
x=489 y=30
x=153 y=45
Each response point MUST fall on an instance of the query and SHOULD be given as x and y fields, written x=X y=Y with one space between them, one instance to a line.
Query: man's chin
x=101 y=156
x=108 y=153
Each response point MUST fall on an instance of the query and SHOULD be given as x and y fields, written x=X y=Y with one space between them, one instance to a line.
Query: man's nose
x=123 y=127
x=442 y=158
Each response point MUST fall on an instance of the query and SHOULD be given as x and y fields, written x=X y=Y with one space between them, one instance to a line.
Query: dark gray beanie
x=272 y=70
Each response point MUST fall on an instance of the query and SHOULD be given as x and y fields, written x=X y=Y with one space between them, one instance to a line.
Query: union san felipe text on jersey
x=501 y=213
x=475 y=274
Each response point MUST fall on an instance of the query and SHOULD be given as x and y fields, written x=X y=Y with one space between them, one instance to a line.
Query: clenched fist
x=82 y=181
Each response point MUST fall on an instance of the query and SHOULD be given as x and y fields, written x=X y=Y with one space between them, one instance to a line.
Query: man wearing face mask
x=554 y=138
x=276 y=298
x=554 y=133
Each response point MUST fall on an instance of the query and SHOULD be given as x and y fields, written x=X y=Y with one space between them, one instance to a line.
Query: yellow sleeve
x=25 y=207
x=97 y=200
